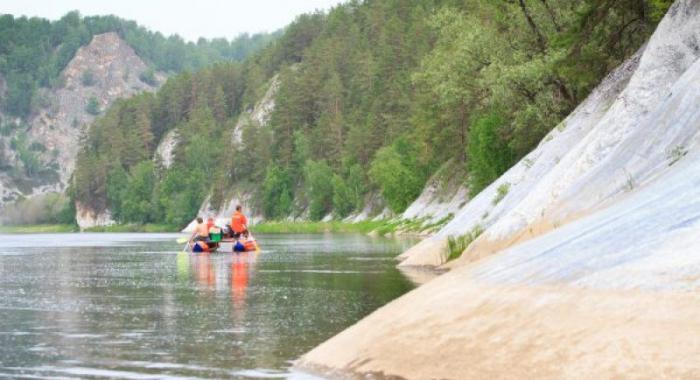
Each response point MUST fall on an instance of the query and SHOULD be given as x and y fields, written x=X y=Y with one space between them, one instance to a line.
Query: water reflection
x=241 y=265
x=138 y=309
x=206 y=270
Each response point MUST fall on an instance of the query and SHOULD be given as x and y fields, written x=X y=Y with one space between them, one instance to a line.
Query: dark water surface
x=129 y=306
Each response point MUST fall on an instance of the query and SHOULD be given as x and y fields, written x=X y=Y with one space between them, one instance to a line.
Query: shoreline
x=38 y=228
x=383 y=227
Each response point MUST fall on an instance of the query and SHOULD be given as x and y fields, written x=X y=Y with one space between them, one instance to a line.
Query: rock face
x=86 y=217
x=440 y=198
x=592 y=267
x=166 y=148
x=115 y=70
x=259 y=115
x=105 y=70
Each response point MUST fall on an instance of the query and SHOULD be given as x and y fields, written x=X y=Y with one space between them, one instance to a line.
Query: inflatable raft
x=224 y=245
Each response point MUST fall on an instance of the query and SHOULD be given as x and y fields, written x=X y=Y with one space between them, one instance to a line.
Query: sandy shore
x=449 y=329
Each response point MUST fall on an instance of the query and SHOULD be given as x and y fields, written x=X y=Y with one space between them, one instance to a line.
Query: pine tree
x=329 y=130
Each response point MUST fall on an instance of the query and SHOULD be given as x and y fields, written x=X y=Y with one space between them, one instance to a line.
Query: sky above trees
x=191 y=20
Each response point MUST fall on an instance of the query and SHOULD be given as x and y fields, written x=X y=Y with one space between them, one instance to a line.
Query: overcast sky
x=190 y=19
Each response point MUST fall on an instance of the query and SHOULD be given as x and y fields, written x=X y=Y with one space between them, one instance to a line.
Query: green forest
x=375 y=97
x=34 y=51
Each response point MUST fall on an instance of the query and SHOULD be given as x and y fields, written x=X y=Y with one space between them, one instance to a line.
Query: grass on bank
x=38 y=228
x=456 y=245
x=380 y=227
x=149 y=227
x=286 y=227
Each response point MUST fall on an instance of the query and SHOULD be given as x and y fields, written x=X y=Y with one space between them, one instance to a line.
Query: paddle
x=187 y=245
x=186 y=240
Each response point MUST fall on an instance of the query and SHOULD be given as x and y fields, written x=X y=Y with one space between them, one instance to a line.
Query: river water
x=130 y=306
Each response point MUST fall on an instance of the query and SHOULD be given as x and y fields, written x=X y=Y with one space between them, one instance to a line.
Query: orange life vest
x=238 y=222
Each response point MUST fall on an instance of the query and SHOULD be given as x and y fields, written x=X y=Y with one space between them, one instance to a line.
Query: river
x=130 y=306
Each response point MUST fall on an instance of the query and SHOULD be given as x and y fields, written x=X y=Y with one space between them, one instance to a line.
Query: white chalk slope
x=596 y=268
x=626 y=160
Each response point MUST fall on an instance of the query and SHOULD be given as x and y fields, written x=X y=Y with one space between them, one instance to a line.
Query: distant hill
x=56 y=77
x=34 y=51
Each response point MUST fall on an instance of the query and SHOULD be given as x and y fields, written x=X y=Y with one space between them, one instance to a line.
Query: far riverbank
x=375 y=227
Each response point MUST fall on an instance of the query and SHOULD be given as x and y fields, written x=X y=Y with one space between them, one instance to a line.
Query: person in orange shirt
x=239 y=223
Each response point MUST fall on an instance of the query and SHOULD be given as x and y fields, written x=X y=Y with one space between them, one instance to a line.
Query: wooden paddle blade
x=182 y=240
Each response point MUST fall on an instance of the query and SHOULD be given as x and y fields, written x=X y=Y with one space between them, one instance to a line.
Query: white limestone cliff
x=588 y=266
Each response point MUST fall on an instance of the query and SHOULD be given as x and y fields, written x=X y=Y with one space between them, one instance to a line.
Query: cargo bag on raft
x=215 y=237
x=238 y=247
x=197 y=247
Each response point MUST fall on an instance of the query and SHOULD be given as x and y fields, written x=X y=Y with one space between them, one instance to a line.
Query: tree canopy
x=374 y=97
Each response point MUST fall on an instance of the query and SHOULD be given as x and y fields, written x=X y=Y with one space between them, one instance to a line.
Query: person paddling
x=239 y=223
x=201 y=231
x=200 y=235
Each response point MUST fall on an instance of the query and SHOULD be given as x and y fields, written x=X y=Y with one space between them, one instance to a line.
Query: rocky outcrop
x=588 y=265
x=443 y=196
x=374 y=208
x=103 y=71
x=6 y=194
x=87 y=218
x=259 y=115
x=165 y=152
x=114 y=69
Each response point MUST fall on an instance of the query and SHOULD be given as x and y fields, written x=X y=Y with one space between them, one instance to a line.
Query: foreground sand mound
x=452 y=329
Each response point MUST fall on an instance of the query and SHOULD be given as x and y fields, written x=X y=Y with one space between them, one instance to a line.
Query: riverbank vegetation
x=148 y=228
x=44 y=209
x=375 y=227
x=456 y=245
x=38 y=228
x=374 y=97
x=307 y=227
x=378 y=227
